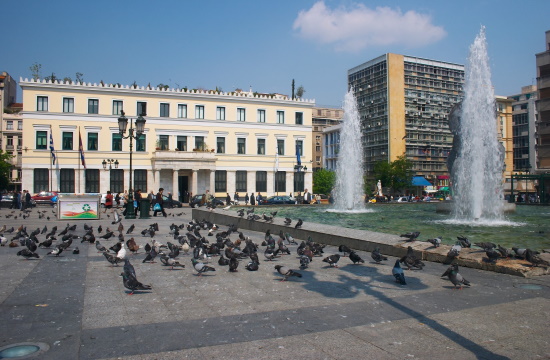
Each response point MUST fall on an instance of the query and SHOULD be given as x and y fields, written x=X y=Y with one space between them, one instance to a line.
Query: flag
x=298 y=155
x=277 y=159
x=52 y=150
x=81 y=150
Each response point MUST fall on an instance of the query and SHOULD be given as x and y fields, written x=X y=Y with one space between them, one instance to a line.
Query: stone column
x=194 y=182
x=157 y=181
x=289 y=182
x=270 y=184
x=212 y=182
x=175 y=183
x=150 y=182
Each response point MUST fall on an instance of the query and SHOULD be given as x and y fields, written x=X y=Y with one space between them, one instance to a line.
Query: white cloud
x=359 y=27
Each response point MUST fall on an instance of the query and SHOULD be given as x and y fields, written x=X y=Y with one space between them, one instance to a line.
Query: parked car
x=44 y=197
x=7 y=200
x=277 y=200
x=198 y=200
x=175 y=203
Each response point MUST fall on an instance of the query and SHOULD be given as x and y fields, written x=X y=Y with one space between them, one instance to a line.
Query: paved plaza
x=77 y=306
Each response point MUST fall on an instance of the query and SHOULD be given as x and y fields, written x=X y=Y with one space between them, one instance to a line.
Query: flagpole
x=78 y=156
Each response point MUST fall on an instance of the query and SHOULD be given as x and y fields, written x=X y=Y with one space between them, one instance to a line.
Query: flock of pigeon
x=191 y=239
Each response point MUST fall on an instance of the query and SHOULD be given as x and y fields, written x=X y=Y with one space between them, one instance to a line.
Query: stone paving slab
x=354 y=311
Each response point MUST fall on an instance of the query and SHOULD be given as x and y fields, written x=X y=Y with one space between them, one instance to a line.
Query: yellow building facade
x=193 y=141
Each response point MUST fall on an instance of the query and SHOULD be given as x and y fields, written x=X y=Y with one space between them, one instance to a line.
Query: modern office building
x=404 y=104
x=543 y=109
x=322 y=118
x=523 y=128
x=193 y=141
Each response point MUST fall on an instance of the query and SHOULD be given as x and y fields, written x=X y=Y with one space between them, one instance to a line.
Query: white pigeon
x=185 y=247
x=227 y=207
x=3 y=241
x=121 y=254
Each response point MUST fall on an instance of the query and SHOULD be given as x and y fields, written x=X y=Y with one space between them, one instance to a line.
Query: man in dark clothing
x=28 y=199
x=160 y=201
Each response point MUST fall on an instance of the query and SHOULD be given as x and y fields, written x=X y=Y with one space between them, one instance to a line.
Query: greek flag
x=81 y=149
x=52 y=150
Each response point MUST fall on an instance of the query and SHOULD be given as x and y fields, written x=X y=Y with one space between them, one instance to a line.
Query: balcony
x=170 y=159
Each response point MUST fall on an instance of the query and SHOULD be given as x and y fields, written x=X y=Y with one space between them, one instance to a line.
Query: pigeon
x=304 y=261
x=131 y=283
x=252 y=266
x=108 y=235
x=56 y=251
x=411 y=261
x=269 y=253
x=4 y=241
x=111 y=258
x=286 y=272
x=492 y=254
x=31 y=245
x=522 y=252
x=397 y=272
x=454 y=251
x=132 y=245
x=168 y=261
x=299 y=224
x=129 y=268
x=532 y=257
x=332 y=260
x=76 y=251
x=505 y=253
x=44 y=230
x=116 y=247
x=121 y=254
x=287 y=221
x=377 y=257
x=130 y=229
x=233 y=264
x=435 y=241
x=464 y=241
x=355 y=258
x=27 y=254
x=240 y=212
x=223 y=261
x=151 y=255
x=456 y=278
x=200 y=267
x=411 y=236
x=485 y=245
x=344 y=249
x=99 y=247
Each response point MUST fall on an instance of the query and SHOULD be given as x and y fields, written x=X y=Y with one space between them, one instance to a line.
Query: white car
x=403 y=199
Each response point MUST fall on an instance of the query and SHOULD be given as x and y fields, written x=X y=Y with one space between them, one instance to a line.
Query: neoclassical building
x=193 y=140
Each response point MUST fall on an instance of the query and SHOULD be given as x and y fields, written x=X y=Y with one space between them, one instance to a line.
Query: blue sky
x=264 y=44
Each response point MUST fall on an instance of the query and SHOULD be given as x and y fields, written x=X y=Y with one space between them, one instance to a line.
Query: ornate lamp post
x=109 y=162
x=132 y=134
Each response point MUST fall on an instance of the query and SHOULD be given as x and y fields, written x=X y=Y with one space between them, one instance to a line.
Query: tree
x=51 y=77
x=35 y=70
x=300 y=92
x=323 y=181
x=79 y=77
x=293 y=89
x=396 y=175
x=5 y=167
x=162 y=86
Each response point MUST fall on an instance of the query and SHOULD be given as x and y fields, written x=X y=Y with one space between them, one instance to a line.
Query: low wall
x=391 y=245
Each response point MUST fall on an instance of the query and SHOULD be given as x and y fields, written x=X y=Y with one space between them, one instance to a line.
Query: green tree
x=396 y=175
x=51 y=77
x=323 y=181
x=35 y=70
x=5 y=167
x=293 y=96
x=300 y=92
x=79 y=77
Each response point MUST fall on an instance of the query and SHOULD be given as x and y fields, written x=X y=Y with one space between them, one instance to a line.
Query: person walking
x=160 y=202
x=170 y=200
x=228 y=200
x=28 y=200
x=259 y=198
x=246 y=199
x=108 y=201
x=252 y=199
x=137 y=201
x=236 y=198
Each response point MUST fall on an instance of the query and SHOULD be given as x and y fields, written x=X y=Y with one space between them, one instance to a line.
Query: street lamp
x=111 y=162
x=140 y=127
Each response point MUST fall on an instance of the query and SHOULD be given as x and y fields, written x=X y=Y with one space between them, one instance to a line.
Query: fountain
x=476 y=161
x=348 y=190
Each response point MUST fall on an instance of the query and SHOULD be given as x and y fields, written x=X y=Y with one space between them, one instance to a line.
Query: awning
x=420 y=181
x=444 y=188
x=442 y=177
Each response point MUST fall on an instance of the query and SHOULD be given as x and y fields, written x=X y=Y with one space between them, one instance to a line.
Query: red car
x=44 y=197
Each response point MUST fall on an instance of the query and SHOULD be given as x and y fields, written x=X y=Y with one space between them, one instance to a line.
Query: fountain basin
x=447 y=207
x=364 y=240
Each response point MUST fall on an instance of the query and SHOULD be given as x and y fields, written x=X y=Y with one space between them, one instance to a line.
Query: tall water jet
x=349 y=191
x=476 y=162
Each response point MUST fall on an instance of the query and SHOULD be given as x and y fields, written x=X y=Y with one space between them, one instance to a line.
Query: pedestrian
x=252 y=201
x=190 y=198
x=151 y=197
x=307 y=197
x=137 y=201
x=228 y=200
x=117 y=200
x=108 y=201
x=14 y=202
x=159 y=204
x=28 y=199
x=170 y=200
x=236 y=198
x=246 y=199
x=259 y=198
x=23 y=200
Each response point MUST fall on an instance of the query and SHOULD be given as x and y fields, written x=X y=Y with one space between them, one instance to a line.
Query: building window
x=220 y=113
x=41 y=180
x=182 y=111
x=241 y=146
x=117 y=107
x=66 y=181
x=67 y=141
x=41 y=140
x=299 y=181
x=280 y=181
x=116 y=142
x=181 y=143
x=41 y=103
x=220 y=142
x=261 y=146
x=261 y=116
x=281 y=146
x=141 y=108
x=199 y=112
x=116 y=183
x=19 y=142
x=164 y=110
x=318 y=148
x=241 y=114
x=92 y=141
x=299 y=147
x=199 y=142
x=163 y=142
x=220 y=181
x=240 y=181
x=299 y=118
x=140 y=180
x=20 y=125
x=140 y=142
x=68 y=105
x=9 y=142
x=9 y=125
x=93 y=106
x=280 y=117
x=92 y=181
x=261 y=181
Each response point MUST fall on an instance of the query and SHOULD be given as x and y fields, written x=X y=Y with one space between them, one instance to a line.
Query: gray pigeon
x=287 y=272
x=377 y=256
x=398 y=273
x=456 y=278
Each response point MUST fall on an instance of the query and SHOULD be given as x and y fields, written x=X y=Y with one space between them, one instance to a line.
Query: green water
x=529 y=227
